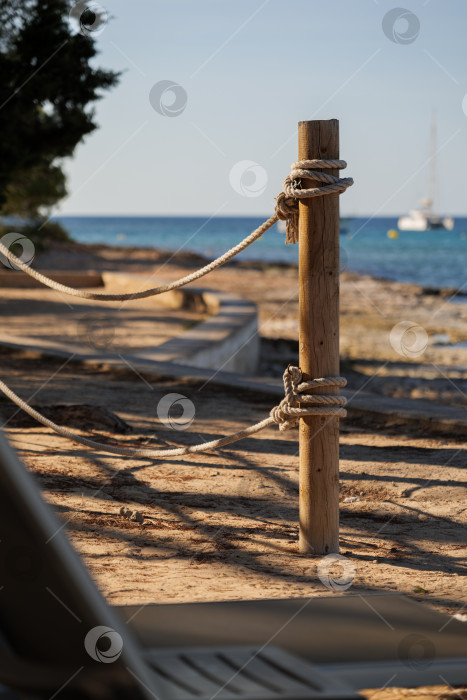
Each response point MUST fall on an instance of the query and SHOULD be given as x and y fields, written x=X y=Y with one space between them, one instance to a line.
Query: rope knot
x=297 y=403
x=287 y=210
x=287 y=200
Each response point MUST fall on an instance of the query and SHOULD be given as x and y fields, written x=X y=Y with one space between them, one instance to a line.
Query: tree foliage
x=48 y=84
x=34 y=190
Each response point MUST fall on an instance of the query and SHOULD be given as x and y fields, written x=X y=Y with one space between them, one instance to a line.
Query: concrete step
x=363 y=406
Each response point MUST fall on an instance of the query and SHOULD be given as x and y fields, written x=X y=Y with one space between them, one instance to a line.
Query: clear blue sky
x=251 y=69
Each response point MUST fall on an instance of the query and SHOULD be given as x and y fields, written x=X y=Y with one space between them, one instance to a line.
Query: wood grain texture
x=319 y=344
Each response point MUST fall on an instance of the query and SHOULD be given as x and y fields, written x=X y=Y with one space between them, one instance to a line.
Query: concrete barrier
x=227 y=340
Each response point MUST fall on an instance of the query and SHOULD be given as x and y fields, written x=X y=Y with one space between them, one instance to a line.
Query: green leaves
x=47 y=88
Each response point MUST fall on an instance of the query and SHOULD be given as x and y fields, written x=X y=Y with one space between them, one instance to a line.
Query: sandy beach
x=223 y=525
x=279 y=281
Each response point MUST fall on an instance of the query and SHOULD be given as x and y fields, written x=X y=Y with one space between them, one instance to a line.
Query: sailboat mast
x=424 y=218
x=433 y=148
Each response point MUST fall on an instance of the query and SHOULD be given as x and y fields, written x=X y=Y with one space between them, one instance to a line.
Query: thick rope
x=84 y=294
x=286 y=209
x=287 y=200
x=295 y=404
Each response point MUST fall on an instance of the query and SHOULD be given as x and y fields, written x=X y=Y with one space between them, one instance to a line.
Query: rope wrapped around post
x=295 y=404
x=287 y=200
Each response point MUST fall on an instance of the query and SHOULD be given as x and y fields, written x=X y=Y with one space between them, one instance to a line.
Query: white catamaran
x=424 y=219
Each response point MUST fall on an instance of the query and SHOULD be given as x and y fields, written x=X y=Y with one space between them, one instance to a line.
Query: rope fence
x=297 y=402
x=286 y=210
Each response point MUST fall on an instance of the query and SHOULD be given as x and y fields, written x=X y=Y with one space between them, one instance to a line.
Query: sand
x=223 y=525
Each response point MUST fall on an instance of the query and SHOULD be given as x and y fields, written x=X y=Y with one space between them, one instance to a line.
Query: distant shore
x=369 y=245
x=370 y=306
x=72 y=255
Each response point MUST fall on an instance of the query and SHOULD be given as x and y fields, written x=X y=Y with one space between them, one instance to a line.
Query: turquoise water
x=431 y=258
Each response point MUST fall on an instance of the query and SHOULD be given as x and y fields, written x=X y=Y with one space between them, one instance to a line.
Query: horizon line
x=224 y=216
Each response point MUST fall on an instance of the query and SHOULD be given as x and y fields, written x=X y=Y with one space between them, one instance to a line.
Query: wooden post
x=319 y=344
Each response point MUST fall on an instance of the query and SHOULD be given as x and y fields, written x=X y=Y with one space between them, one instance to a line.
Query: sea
x=374 y=246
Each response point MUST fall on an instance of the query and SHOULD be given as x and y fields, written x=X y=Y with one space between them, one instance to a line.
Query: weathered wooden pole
x=319 y=343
